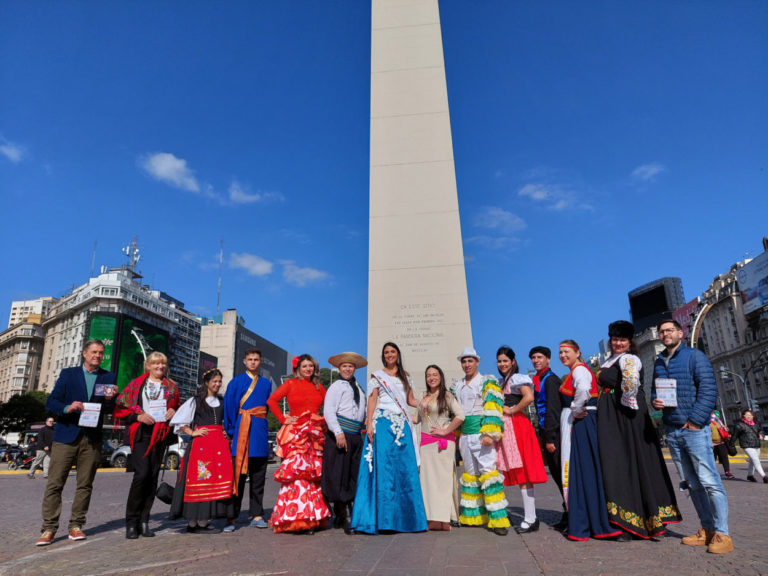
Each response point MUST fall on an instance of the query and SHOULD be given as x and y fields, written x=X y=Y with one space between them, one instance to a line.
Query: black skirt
x=340 y=467
x=638 y=491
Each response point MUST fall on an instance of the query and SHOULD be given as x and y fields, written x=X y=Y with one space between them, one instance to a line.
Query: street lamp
x=747 y=396
x=757 y=364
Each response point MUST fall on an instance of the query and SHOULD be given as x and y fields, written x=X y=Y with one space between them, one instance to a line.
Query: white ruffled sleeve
x=184 y=415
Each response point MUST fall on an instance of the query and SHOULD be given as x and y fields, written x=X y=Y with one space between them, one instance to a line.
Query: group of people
x=359 y=456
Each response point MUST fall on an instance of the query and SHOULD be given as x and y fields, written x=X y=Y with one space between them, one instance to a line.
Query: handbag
x=164 y=491
x=723 y=431
x=731 y=446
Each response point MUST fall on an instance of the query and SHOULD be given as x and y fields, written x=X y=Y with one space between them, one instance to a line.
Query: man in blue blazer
x=76 y=441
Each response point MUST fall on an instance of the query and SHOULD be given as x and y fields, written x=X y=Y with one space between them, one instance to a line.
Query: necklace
x=153 y=389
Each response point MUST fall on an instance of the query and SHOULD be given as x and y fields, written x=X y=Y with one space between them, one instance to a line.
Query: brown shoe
x=701 y=538
x=720 y=544
x=76 y=534
x=45 y=538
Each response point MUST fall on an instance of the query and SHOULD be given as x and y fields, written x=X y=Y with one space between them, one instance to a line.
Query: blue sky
x=598 y=146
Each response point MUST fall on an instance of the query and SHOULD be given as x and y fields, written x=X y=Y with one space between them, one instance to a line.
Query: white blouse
x=186 y=413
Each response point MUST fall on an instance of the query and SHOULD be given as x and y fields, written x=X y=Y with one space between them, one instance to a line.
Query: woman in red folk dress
x=300 y=505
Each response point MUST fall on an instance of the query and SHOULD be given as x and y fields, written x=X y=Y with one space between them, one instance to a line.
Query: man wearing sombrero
x=344 y=411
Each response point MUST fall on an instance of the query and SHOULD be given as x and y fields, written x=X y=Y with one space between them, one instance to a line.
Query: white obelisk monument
x=417 y=288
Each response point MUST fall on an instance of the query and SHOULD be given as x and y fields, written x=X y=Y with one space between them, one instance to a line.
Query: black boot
x=131 y=531
x=339 y=512
x=563 y=523
x=348 y=519
x=145 y=531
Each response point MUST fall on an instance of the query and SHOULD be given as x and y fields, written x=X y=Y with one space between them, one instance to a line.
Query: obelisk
x=417 y=288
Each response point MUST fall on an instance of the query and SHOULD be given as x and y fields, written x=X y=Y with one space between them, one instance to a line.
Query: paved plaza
x=465 y=551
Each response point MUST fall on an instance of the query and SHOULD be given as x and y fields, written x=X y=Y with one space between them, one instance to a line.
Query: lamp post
x=756 y=364
x=747 y=396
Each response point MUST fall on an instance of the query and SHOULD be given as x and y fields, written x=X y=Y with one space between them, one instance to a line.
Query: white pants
x=753 y=455
x=41 y=457
x=478 y=459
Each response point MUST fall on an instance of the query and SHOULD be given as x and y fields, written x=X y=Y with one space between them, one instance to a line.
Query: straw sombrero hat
x=350 y=357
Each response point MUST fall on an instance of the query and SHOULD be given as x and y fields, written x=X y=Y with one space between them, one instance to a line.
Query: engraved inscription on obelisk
x=417 y=291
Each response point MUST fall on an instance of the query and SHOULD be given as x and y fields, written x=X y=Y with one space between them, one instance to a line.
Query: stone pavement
x=250 y=551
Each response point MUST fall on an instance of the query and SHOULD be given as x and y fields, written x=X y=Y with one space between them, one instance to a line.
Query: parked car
x=119 y=458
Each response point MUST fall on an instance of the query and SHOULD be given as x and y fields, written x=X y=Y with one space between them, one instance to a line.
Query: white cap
x=468 y=351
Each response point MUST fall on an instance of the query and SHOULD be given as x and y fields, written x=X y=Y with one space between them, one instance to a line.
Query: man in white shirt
x=344 y=411
x=482 y=487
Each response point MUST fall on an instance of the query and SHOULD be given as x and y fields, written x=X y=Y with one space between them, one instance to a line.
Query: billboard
x=753 y=283
x=104 y=327
x=137 y=339
x=126 y=341
x=685 y=315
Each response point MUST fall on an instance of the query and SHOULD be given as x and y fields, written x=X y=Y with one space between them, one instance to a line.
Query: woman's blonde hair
x=155 y=357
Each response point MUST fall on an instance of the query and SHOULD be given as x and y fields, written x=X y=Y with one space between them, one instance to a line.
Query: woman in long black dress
x=205 y=481
x=638 y=490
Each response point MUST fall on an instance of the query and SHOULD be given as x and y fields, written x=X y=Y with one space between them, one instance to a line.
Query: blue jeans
x=692 y=449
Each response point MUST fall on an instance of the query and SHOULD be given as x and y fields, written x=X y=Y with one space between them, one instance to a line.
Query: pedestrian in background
x=146 y=405
x=688 y=372
x=720 y=436
x=77 y=438
x=750 y=437
x=44 y=443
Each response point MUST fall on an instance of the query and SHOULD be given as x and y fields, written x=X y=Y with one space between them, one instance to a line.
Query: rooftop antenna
x=221 y=262
x=132 y=252
x=93 y=258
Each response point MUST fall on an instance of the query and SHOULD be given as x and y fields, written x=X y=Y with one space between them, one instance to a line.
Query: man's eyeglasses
x=668 y=331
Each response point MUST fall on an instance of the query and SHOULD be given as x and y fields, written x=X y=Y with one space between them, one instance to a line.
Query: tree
x=21 y=411
x=327 y=376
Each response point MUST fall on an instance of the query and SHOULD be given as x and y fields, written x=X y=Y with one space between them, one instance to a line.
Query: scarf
x=128 y=403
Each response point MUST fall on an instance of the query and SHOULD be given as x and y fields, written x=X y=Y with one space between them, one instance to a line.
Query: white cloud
x=13 y=152
x=557 y=197
x=167 y=168
x=495 y=217
x=299 y=276
x=538 y=192
x=648 y=172
x=238 y=194
x=252 y=264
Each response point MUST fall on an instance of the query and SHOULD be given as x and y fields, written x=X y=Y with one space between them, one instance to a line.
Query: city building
x=131 y=319
x=21 y=349
x=227 y=338
x=737 y=346
x=30 y=310
x=654 y=301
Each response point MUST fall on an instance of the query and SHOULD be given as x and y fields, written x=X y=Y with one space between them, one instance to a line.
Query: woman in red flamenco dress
x=300 y=505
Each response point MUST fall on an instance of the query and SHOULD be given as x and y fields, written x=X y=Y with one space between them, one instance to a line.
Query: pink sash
x=442 y=441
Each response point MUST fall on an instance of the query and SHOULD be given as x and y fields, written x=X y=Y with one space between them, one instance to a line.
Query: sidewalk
x=461 y=552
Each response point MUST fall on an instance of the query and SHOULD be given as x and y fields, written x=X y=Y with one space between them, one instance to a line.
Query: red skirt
x=300 y=504
x=532 y=471
x=208 y=467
